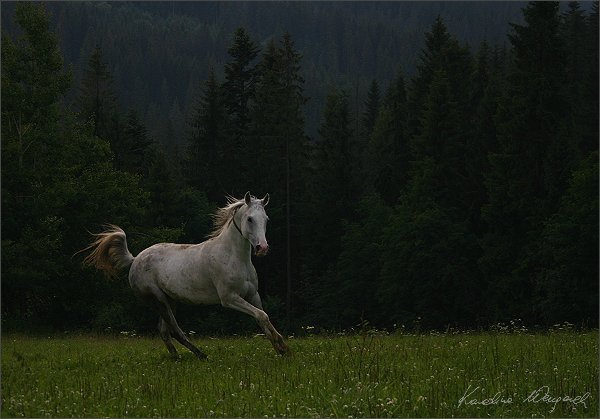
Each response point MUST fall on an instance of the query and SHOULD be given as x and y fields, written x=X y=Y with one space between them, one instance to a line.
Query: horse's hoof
x=284 y=350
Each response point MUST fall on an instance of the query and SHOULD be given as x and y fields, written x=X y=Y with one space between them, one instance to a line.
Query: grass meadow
x=554 y=374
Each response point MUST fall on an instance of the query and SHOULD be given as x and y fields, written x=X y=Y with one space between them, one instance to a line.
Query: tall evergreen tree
x=590 y=110
x=528 y=173
x=59 y=187
x=441 y=52
x=238 y=91
x=278 y=131
x=481 y=136
x=429 y=238
x=333 y=195
x=240 y=78
x=567 y=282
x=96 y=102
x=205 y=169
x=573 y=31
x=132 y=148
x=371 y=108
x=387 y=154
x=33 y=83
x=163 y=194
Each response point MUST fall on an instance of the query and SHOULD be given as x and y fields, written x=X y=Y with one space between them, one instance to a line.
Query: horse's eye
x=249 y=219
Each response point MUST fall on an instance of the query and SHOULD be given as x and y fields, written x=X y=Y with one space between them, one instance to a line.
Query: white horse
x=217 y=271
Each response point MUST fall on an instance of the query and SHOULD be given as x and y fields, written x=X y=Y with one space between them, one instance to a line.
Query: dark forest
x=457 y=188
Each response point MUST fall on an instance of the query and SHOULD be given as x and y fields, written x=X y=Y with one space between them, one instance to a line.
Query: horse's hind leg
x=168 y=317
x=165 y=334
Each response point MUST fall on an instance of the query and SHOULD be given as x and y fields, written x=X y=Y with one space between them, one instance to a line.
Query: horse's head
x=253 y=223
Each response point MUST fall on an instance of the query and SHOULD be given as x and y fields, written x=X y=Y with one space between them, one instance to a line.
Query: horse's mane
x=223 y=216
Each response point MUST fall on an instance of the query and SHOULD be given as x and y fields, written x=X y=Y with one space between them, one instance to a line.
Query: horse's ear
x=265 y=200
x=248 y=198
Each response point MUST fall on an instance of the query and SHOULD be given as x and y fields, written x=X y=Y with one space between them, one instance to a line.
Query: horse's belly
x=196 y=291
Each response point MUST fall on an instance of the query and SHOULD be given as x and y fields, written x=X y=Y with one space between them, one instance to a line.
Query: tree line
x=464 y=196
x=159 y=52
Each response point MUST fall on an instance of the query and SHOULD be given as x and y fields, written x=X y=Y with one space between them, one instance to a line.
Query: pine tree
x=159 y=182
x=238 y=92
x=205 y=169
x=573 y=33
x=268 y=120
x=481 y=136
x=59 y=188
x=131 y=150
x=371 y=109
x=442 y=52
x=278 y=137
x=567 y=281
x=333 y=195
x=240 y=78
x=528 y=173
x=33 y=83
x=590 y=110
x=96 y=102
x=437 y=43
x=387 y=154
x=429 y=239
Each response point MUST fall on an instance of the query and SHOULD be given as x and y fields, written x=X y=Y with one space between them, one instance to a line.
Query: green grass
x=341 y=376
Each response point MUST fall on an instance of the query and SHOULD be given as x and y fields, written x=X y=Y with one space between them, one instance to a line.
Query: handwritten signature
x=541 y=395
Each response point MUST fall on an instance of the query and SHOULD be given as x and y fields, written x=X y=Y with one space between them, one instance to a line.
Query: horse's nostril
x=262 y=249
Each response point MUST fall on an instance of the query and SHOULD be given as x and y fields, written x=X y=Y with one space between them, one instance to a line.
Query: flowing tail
x=109 y=251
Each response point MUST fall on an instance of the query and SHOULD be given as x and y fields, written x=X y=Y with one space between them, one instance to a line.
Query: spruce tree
x=529 y=170
x=240 y=78
x=238 y=92
x=387 y=154
x=567 y=282
x=441 y=52
x=429 y=238
x=204 y=164
x=277 y=135
x=131 y=150
x=590 y=110
x=371 y=109
x=573 y=33
x=63 y=184
x=96 y=102
x=481 y=136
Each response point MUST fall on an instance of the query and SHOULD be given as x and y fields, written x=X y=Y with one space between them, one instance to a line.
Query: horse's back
x=176 y=270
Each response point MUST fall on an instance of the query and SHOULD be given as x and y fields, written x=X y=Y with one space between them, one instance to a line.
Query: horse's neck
x=234 y=240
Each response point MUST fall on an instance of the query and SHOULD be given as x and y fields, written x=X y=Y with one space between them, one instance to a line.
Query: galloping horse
x=216 y=271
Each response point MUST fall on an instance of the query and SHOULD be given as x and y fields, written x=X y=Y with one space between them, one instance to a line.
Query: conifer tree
x=590 y=110
x=238 y=92
x=371 y=108
x=481 y=136
x=206 y=152
x=278 y=138
x=573 y=33
x=96 y=101
x=387 y=153
x=566 y=284
x=131 y=150
x=240 y=78
x=528 y=173
x=59 y=188
x=334 y=194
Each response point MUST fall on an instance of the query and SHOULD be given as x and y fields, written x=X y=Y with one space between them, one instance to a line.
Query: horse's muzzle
x=261 y=250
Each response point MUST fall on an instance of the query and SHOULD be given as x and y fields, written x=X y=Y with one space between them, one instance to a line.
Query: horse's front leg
x=271 y=333
x=255 y=310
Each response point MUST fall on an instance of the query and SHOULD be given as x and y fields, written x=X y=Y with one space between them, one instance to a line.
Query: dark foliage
x=463 y=193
